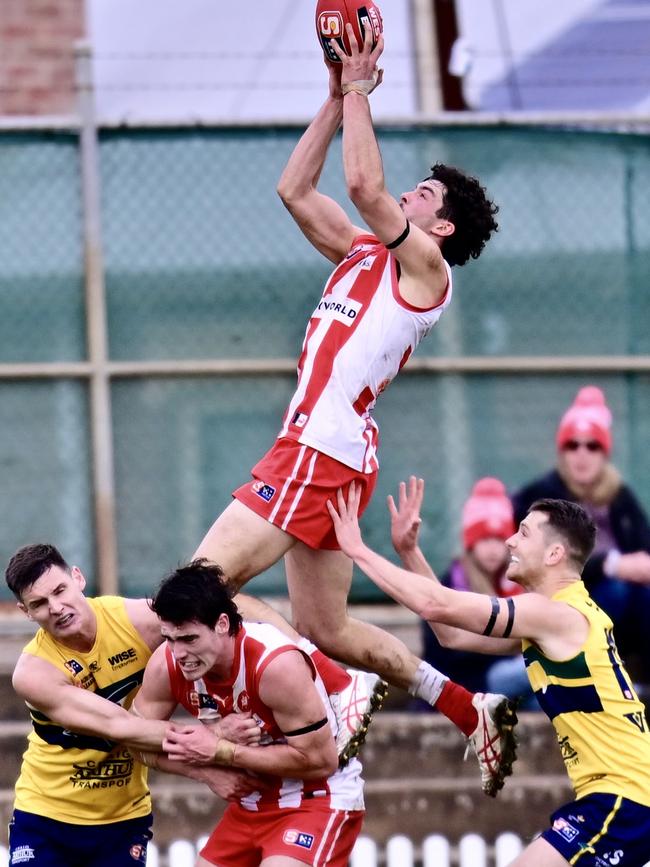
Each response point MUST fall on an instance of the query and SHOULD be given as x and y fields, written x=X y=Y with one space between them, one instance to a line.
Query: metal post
x=426 y=54
x=97 y=339
x=444 y=12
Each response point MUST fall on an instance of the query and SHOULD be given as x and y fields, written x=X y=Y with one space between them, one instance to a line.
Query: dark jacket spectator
x=618 y=573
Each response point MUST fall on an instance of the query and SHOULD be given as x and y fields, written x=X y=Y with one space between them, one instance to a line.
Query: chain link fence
x=202 y=264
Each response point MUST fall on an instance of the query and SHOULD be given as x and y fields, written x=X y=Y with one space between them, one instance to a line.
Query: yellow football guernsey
x=599 y=721
x=79 y=778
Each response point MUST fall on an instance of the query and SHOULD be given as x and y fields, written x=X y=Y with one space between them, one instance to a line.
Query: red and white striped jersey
x=256 y=645
x=358 y=339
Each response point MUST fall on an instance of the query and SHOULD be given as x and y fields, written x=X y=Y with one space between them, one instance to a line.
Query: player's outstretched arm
x=405 y=521
x=418 y=254
x=323 y=222
x=47 y=689
x=553 y=626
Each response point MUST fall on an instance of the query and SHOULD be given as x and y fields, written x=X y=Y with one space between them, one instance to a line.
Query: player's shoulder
x=267 y=633
x=144 y=620
x=286 y=669
x=32 y=673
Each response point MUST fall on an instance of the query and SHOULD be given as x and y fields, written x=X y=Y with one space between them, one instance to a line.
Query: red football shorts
x=291 y=487
x=314 y=833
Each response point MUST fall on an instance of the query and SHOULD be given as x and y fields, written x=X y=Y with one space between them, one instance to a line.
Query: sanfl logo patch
x=298 y=838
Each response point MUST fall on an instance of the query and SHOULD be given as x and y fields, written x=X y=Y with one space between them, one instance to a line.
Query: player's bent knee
x=325 y=635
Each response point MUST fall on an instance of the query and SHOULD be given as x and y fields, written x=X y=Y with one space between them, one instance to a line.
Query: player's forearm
x=308 y=158
x=456 y=638
x=414 y=560
x=412 y=590
x=139 y=734
x=283 y=760
x=160 y=762
x=90 y=714
x=362 y=165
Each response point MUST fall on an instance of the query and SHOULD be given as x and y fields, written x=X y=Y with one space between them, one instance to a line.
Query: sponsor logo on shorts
x=299 y=419
x=73 y=666
x=22 y=854
x=564 y=829
x=298 y=838
x=266 y=492
x=137 y=852
x=615 y=857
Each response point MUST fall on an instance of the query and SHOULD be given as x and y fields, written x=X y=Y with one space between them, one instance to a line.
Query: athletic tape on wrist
x=145 y=758
x=362 y=86
x=224 y=753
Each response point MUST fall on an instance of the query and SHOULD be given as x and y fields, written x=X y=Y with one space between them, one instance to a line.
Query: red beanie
x=588 y=416
x=487 y=513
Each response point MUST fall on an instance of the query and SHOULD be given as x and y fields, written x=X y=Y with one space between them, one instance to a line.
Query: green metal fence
x=205 y=271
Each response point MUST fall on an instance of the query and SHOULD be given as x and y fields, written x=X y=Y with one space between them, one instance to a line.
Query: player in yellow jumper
x=571 y=660
x=81 y=798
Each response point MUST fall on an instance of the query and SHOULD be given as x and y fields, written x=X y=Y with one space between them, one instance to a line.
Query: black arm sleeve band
x=401 y=238
x=312 y=728
x=493 y=617
x=511 y=617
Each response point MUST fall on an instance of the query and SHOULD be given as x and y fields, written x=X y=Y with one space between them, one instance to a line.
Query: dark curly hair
x=467 y=206
x=196 y=591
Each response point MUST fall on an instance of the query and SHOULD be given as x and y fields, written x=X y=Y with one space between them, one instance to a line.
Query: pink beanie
x=588 y=416
x=487 y=513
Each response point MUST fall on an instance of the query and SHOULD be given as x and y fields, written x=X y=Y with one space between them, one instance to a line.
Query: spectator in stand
x=617 y=575
x=487 y=522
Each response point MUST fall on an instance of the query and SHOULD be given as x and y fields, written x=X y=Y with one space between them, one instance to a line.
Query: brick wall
x=36 y=55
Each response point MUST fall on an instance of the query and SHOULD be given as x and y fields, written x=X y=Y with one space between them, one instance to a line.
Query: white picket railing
x=436 y=851
x=472 y=851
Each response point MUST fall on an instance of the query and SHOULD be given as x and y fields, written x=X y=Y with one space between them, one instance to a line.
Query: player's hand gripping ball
x=333 y=15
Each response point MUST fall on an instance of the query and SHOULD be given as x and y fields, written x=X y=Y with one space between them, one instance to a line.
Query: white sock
x=428 y=683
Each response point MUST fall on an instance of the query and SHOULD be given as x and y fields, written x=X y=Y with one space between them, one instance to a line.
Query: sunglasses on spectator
x=574 y=445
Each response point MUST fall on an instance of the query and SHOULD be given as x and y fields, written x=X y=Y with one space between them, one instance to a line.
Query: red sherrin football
x=333 y=15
